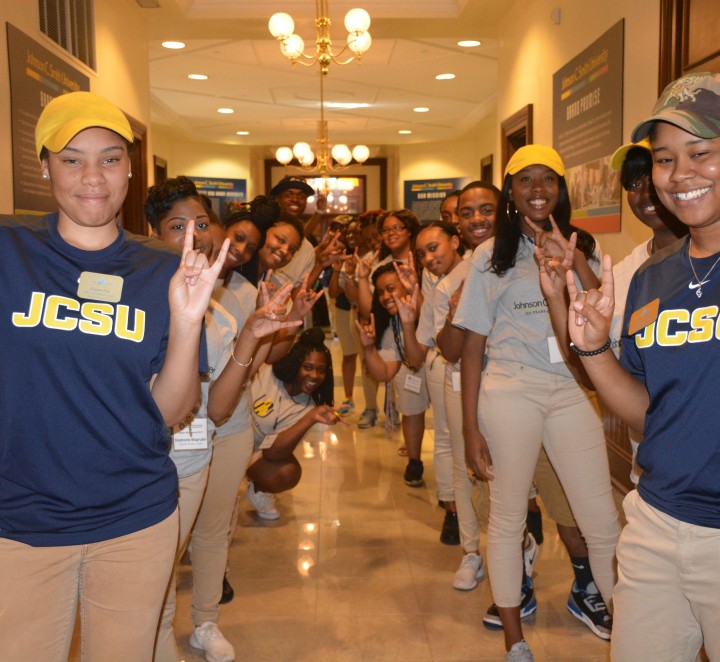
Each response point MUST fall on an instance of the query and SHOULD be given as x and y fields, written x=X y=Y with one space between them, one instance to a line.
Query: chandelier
x=323 y=158
x=292 y=46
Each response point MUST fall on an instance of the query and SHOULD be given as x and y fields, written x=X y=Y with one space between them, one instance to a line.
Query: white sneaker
x=263 y=502
x=531 y=553
x=470 y=572
x=207 y=637
x=519 y=652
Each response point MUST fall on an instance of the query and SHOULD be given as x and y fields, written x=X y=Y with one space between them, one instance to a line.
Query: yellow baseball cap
x=535 y=155
x=69 y=114
x=618 y=158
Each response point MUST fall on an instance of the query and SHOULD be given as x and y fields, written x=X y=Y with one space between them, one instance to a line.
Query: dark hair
x=447 y=228
x=481 y=184
x=162 y=197
x=452 y=194
x=637 y=164
x=370 y=217
x=382 y=317
x=408 y=219
x=508 y=228
x=288 y=367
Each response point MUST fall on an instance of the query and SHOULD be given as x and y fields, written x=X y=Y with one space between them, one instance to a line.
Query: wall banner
x=424 y=196
x=587 y=129
x=226 y=195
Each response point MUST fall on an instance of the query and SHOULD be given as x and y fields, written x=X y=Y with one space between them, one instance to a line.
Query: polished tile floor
x=354 y=570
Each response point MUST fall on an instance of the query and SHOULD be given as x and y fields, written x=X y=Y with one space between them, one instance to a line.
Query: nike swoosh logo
x=694 y=287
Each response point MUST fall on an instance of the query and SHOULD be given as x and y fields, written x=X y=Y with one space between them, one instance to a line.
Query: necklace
x=700 y=283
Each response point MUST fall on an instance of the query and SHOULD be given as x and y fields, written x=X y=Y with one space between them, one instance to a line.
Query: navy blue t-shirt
x=677 y=357
x=83 y=446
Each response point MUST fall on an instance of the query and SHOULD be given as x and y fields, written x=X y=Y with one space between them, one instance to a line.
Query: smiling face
x=89 y=180
x=395 y=235
x=388 y=284
x=292 y=201
x=644 y=202
x=686 y=174
x=244 y=241
x=281 y=243
x=311 y=375
x=352 y=235
x=174 y=223
x=437 y=251
x=476 y=211
x=535 y=191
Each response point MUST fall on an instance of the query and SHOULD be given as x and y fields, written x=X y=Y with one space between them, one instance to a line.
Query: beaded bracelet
x=595 y=352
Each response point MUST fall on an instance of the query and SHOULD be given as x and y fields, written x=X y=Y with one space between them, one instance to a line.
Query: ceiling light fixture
x=405 y=132
x=469 y=43
x=323 y=159
x=226 y=111
x=197 y=77
x=444 y=76
x=421 y=109
x=242 y=133
x=292 y=46
x=173 y=45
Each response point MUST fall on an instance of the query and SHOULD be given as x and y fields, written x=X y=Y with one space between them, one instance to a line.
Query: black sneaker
x=528 y=605
x=589 y=607
x=450 y=534
x=414 y=473
x=227 y=592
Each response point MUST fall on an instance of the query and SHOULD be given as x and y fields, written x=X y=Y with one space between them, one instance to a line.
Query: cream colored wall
x=533 y=49
x=122 y=72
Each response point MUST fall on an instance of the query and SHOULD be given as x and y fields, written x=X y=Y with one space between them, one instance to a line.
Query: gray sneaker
x=367 y=419
x=519 y=652
x=470 y=572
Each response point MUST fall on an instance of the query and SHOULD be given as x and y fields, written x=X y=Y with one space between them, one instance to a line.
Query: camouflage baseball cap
x=691 y=102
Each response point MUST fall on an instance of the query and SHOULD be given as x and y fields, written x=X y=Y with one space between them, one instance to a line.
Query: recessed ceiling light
x=345 y=106
x=197 y=76
x=469 y=43
x=173 y=44
x=242 y=133
x=421 y=109
x=444 y=76
x=226 y=111
x=405 y=131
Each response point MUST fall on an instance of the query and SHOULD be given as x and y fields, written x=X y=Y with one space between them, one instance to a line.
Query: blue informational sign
x=424 y=196
x=227 y=195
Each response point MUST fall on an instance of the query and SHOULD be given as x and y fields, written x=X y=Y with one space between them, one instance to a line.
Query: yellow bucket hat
x=69 y=114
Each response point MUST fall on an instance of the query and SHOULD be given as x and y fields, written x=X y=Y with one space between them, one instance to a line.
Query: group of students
x=179 y=373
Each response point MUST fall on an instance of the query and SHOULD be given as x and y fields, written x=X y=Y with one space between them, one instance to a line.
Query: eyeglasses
x=396 y=229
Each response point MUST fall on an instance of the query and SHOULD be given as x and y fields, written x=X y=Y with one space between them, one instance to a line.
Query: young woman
x=288 y=399
x=105 y=332
x=448 y=208
x=169 y=208
x=383 y=341
x=667 y=557
x=502 y=308
x=439 y=251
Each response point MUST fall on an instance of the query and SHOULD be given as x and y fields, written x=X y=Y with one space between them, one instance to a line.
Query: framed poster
x=587 y=129
x=424 y=196
x=226 y=195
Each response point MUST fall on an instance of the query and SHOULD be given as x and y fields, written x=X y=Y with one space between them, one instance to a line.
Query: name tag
x=413 y=383
x=267 y=442
x=456 y=382
x=554 y=350
x=192 y=437
x=100 y=287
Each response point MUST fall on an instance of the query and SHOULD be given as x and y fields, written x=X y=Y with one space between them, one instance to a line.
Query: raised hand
x=552 y=242
x=407 y=273
x=193 y=283
x=367 y=331
x=272 y=314
x=552 y=270
x=330 y=250
x=591 y=312
x=407 y=306
x=364 y=267
x=320 y=200
x=305 y=299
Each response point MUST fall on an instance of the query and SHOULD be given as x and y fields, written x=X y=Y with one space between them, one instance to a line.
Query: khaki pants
x=442 y=453
x=666 y=598
x=120 y=584
x=521 y=409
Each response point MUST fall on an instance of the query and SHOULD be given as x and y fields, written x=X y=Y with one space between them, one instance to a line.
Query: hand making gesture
x=272 y=312
x=408 y=306
x=367 y=331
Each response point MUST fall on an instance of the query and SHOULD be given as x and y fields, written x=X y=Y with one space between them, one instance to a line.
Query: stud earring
x=45 y=176
x=129 y=175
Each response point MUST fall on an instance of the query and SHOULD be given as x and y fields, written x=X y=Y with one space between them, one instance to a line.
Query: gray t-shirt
x=511 y=310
